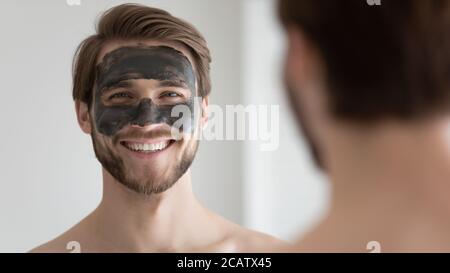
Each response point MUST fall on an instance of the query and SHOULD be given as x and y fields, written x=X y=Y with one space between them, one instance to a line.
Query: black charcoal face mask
x=170 y=68
x=160 y=63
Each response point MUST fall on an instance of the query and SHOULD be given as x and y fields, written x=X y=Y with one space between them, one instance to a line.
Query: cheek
x=184 y=147
x=109 y=120
x=100 y=138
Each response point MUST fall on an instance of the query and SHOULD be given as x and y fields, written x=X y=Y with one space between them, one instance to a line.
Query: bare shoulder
x=54 y=246
x=248 y=240
x=236 y=238
x=70 y=241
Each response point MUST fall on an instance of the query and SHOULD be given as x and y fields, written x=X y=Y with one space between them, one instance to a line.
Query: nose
x=143 y=115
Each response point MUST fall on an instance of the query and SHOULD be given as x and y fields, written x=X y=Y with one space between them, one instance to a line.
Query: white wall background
x=49 y=177
x=284 y=194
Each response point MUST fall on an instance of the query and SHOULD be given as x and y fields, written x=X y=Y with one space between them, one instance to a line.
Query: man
x=130 y=78
x=370 y=86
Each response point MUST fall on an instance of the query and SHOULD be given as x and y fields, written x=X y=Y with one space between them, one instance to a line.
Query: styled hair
x=131 y=22
x=382 y=61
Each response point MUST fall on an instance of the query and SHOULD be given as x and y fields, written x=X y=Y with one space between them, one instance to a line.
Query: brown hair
x=391 y=60
x=132 y=21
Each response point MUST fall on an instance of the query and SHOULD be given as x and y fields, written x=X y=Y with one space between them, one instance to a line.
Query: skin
x=171 y=221
x=389 y=179
x=118 y=67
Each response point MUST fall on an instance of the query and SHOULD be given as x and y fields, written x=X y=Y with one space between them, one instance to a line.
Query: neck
x=170 y=221
x=390 y=184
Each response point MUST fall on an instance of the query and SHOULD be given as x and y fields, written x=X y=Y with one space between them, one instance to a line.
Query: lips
x=147 y=147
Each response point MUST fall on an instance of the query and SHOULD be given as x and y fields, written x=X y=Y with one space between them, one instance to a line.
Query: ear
x=83 y=116
x=204 y=117
x=297 y=53
x=303 y=60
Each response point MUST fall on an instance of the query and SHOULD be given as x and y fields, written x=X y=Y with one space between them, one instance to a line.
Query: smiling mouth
x=147 y=147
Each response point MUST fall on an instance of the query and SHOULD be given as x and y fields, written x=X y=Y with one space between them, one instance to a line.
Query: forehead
x=116 y=44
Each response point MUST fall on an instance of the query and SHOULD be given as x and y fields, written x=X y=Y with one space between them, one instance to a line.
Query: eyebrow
x=118 y=84
x=128 y=83
x=173 y=83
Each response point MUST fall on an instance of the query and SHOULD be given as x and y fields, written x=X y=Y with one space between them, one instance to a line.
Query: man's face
x=138 y=89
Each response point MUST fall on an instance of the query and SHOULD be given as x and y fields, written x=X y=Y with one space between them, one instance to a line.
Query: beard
x=150 y=184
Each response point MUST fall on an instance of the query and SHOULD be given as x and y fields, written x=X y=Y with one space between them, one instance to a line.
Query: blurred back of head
x=386 y=61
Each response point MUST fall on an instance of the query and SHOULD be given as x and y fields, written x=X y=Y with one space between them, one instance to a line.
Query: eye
x=120 y=95
x=169 y=94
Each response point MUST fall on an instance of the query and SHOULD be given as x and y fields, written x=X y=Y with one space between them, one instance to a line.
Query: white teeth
x=147 y=147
